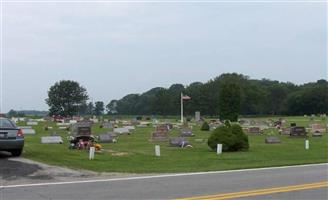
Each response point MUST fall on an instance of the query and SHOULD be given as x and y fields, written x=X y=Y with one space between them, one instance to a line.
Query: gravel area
x=24 y=171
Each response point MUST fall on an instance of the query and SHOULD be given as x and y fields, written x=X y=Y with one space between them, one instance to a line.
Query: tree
x=12 y=113
x=231 y=137
x=65 y=98
x=90 y=108
x=229 y=101
x=99 y=108
x=112 y=107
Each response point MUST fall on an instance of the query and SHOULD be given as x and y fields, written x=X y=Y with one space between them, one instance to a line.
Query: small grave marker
x=27 y=130
x=197 y=116
x=307 y=144
x=272 y=140
x=92 y=153
x=157 y=150
x=32 y=123
x=219 y=149
x=186 y=133
x=52 y=140
x=122 y=130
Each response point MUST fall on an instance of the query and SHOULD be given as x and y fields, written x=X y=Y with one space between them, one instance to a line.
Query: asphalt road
x=182 y=186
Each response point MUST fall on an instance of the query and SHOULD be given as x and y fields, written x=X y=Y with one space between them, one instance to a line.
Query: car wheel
x=16 y=152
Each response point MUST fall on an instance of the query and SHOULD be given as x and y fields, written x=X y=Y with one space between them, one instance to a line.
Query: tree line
x=229 y=95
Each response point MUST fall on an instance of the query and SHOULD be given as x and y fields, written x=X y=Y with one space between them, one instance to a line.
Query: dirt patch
x=16 y=171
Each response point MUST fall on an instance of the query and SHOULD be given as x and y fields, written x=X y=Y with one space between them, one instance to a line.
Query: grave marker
x=186 y=133
x=219 y=149
x=92 y=153
x=197 y=116
x=157 y=150
x=298 y=131
x=254 y=130
x=272 y=140
x=179 y=142
x=27 y=130
x=52 y=140
x=108 y=138
x=32 y=123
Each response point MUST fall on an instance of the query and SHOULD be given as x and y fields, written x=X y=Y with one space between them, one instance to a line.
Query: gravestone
x=122 y=130
x=63 y=124
x=317 y=128
x=285 y=131
x=108 y=125
x=72 y=121
x=186 y=133
x=254 y=130
x=63 y=128
x=317 y=134
x=82 y=128
x=107 y=138
x=179 y=142
x=52 y=140
x=142 y=126
x=272 y=140
x=130 y=128
x=197 y=116
x=161 y=133
x=27 y=130
x=298 y=131
x=31 y=123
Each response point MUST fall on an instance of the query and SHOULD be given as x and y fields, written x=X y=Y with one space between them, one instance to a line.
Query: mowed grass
x=135 y=153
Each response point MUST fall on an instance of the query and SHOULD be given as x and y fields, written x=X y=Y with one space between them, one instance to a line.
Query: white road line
x=157 y=176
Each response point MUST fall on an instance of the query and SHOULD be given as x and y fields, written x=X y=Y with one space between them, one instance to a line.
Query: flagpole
x=181 y=108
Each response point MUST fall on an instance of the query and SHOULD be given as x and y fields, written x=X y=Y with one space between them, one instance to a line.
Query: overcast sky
x=114 y=49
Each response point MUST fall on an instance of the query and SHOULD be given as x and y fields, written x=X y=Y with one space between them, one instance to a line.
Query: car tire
x=16 y=152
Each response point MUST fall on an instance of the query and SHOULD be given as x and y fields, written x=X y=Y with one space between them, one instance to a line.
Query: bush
x=231 y=137
x=205 y=127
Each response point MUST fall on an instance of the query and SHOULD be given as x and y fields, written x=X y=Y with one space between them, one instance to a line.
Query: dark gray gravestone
x=272 y=140
x=298 y=131
x=82 y=128
x=178 y=142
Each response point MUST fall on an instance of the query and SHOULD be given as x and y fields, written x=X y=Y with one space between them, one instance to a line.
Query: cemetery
x=124 y=145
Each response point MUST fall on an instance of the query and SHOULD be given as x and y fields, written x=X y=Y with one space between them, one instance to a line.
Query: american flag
x=185 y=97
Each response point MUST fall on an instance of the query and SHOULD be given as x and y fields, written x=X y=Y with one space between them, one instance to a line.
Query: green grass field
x=135 y=153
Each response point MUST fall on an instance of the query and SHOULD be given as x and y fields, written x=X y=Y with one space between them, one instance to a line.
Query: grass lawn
x=135 y=153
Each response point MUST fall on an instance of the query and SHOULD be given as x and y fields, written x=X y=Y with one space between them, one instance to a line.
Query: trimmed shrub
x=231 y=137
x=205 y=127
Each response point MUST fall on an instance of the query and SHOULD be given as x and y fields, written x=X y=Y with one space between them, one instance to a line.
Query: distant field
x=135 y=153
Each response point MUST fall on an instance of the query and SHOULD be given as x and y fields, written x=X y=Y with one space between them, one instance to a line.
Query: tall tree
x=112 y=107
x=65 y=97
x=90 y=108
x=99 y=108
x=229 y=101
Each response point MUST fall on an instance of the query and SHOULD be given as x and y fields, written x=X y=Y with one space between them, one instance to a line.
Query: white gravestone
x=219 y=149
x=52 y=140
x=157 y=150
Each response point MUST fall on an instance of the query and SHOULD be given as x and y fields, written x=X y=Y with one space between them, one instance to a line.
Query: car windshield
x=5 y=123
